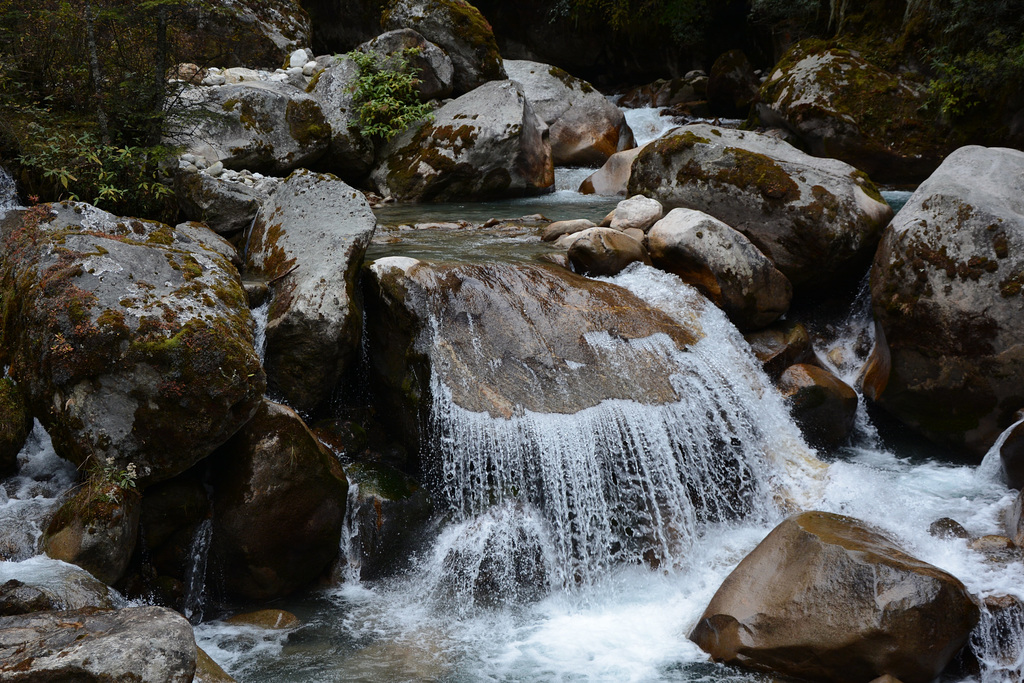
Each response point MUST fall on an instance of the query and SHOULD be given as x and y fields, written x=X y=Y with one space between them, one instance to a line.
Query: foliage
x=385 y=94
x=107 y=481
x=688 y=20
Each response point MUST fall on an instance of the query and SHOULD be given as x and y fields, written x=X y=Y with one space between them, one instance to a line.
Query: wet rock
x=946 y=291
x=18 y=598
x=459 y=29
x=1011 y=455
x=996 y=640
x=349 y=154
x=637 y=212
x=279 y=501
x=135 y=340
x=818 y=220
x=253 y=33
x=585 y=128
x=947 y=528
x=723 y=264
x=1015 y=521
x=209 y=671
x=171 y=513
x=613 y=177
x=433 y=67
x=223 y=205
x=134 y=644
x=604 y=251
x=308 y=241
x=732 y=85
x=824 y=406
x=824 y=597
x=779 y=346
x=15 y=424
x=486 y=144
x=569 y=227
x=41 y=583
x=271 y=619
x=992 y=543
x=689 y=89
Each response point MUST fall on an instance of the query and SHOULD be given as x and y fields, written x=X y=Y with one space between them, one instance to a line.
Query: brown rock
x=613 y=177
x=272 y=619
x=779 y=346
x=559 y=228
x=604 y=251
x=822 y=404
x=947 y=528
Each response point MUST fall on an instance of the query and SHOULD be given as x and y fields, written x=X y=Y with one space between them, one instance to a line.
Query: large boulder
x=604 y=251
x=486 y=144
x=459 y=29
x=349 y=154
x=15 y=425
x=41 y=583
x=823 y=405
x=279 y=503
x=262 y=126
x=723 y=264
x=252 y=33
x=131 y=645
x=818 y=220
x=732 y=85
x=585 y=127
x=132 y=339
x=840 y=105
x=947 y=290
x=432 y=65
x=225 y=206
x=613 y=177
x=826 y=598
x=308 y=240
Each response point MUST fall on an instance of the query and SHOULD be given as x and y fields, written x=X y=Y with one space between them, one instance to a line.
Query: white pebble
x=298 y=58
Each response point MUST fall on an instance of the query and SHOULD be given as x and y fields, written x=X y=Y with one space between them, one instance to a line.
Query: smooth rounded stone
x=604 y=251
x=432 y=65
x=840 y=105
x=569 y=227
x=96 y=529
x=1015 y=521
x=15 y=424
x=1011 y=455
x=732 y=85
x=613 y=177
x=262 y=126
x=308 y=241
x=637 y=212
x=824 y=597
x=271 y=619
x=947 y=292
x=723 y=264
x=459 y=29
x=278 y=506
x=585 y=128
x=209 y=671
x=130 y=645
x=637 y=234
x=298 y=58
x=349 y=154
x=779 y=346
x=606 y=222
x=49 y=584
x=947 y=528
x=818 y=220
x=990 y=543
x=225 y=206
x=486 y=144
x=824 y=406
x=135 y=341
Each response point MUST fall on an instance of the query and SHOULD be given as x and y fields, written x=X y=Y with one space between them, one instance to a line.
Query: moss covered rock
x=818 y=220
x=349 y=154
x=15 y=424
x=131 y=339
x=433 y=67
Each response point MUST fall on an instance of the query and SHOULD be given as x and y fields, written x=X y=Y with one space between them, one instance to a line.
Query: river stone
x=134 y=340
x=947 y=291
x=585 y=127
x=1015 y=521
x=569 y=227
x=270 y=619
x=613 y=177
x=349 y=154
x=826 y=598
x=723 y=264
x=687 y=89
x=486 y=144
x=432 y=65
x=261 y=126
x=308 y=241
x=781 y=345
x=278 y=506
x=459 y=29
x=209 y=671
x=947 y=528
x=818 y=220
x=223 y=205
x=732 y=85
x=52 y=585
x=1011 y=456
x=839 y=105
x=130 y=645
x=637 y=212
x=824 y=406
x=15 y=425
x=448 y=321
x=604 y=252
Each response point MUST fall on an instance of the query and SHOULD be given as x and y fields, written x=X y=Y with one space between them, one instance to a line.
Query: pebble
x=216 y=169
x=298 y=59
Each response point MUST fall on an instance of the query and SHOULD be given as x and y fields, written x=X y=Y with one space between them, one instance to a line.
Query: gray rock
x=569 y=227
x=224 y=206
x=613 y=177
x=818 y=220
x=947 y=290
x=723 y=264
x=637 y=212
x=131 y=645
x=486 y=144
x=253 y=33
x=433 y=66
x=349 y=154
x=604 y=251
x=61 y=586
x=308 y=241
x=585 y=128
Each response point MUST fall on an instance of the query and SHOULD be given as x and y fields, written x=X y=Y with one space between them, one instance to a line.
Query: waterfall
x=648 y=123
x=8 y=192
x=260 y=316
x=195 y=575
x=998 y=643
x=350 y=552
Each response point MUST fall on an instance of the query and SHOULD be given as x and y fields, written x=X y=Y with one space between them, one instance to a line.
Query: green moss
x=757 y=171
x=870 y=189
x=306 y=122
x=571 y=81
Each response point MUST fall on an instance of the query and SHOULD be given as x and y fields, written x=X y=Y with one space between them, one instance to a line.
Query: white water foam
x=648 y=123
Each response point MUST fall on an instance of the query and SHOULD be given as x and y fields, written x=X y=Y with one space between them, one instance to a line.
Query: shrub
x=385 y=94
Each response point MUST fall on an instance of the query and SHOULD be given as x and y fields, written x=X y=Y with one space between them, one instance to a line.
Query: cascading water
x=8 y=192
x=195 y=574
x=260 y=316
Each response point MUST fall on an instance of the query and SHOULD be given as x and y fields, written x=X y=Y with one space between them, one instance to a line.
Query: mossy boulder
x=459 y=29
x=15 y=424
x=349 y=154
x=487 y=144
x=842 y=106
x=252 y=33
x=818 y=220
x=947 y=291
x=131 y=339
x=584 y=127
x=308 y=241
x=432 y=65
x=279 y=502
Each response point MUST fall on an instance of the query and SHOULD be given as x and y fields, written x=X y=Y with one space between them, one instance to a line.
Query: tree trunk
x=94 y=70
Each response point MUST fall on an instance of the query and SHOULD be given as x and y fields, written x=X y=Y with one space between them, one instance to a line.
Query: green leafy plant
x=108 y=482
x=385 y=94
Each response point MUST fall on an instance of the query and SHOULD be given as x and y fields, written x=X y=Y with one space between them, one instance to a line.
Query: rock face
x=132 y=339
x=132 y=645
x=946 y=290
x=1011 y=455
x=825 y=598
x=459 y=29
x=723 y=264
x=279 y=503
x=253 y=33
x=613 y=177
x=262 y=126
x=841 y=106
x=349 y=154
x=604 y=251
x=432 y=65
x=15 y=424
x=585 y=127
x=823 y=405
x=486 y=144
x=818 y=220
x=309 y=240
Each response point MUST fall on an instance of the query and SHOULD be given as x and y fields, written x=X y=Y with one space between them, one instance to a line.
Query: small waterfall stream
x=195 y=575
x=8 y=192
